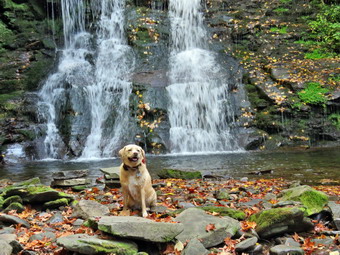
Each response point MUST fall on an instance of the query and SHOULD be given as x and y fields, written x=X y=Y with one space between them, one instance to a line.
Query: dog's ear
x=121 y=152
x=144 y=158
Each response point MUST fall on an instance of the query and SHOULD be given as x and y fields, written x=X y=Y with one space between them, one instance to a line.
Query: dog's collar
x=127 y=168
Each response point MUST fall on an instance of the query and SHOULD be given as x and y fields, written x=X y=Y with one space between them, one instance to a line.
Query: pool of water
x=310 y=166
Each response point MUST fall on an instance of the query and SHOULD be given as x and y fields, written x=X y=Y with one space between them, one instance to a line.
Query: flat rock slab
x=195 y=222
x=85 y=244
x=65 y=175
x=111 y=172
x=195 y=247
x=88 y=208
x=283 y=250
x=14 y=220
x=70 y=182
x=139 y=228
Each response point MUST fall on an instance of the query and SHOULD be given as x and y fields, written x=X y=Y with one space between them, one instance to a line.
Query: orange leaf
x=246 y=225
x=210 y=227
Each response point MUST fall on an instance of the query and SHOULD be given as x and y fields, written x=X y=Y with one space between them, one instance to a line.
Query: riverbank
x=228 y=208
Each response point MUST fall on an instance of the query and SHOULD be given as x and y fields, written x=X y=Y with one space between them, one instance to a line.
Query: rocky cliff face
x=259 y=41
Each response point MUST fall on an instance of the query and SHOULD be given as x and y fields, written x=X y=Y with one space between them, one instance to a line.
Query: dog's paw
x=144 y=214
x=124 y=213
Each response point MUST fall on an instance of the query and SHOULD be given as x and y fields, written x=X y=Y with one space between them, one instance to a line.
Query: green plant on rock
x=281 y=10
x=335 y=119
x=318 y=54
x=314 y=94
x=279 y=30
x=326 y=27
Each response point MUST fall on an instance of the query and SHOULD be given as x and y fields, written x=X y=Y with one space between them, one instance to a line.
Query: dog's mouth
x=133 y=159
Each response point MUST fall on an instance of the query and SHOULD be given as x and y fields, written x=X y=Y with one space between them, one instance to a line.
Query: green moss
x=7 y=37
x=178 y=174
x=313 y=94
x=56 y=203
x=335 y=119
x=15 y=7
x=12 y=199
x=313 y=200
x=279 y=30
x=225 y=211
x=119 y=248
x=270 y=217
x=16 y=206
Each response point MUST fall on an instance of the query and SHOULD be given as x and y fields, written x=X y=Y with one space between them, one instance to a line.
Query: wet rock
x=7 y=230
x=284 y=250
x=10 y=219
x=335 y=209
x=195 y=247
x=313 y=200
x=222 y=194
x=111 y=172
x=179 y=174
x=195 y=222
x=245 y=245
x=56 y=218
x=88 y=208
x=5 y=248
x=16 y=246
x=85 y=244
x=66 y=175
x=138 y=228
x=8 y=237
x=279 y=221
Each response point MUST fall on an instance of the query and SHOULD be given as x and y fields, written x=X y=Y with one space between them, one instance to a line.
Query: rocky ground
x=193 y=216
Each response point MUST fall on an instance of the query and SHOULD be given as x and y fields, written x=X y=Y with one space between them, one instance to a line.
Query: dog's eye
x=130 y=150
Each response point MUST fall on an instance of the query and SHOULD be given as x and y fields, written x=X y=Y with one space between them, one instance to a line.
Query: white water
x=101 y=86
x=199 y=112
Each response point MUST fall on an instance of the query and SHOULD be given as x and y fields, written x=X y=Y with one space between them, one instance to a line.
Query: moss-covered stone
x=56 y=203
x=313 y=200
x=278 y=221
x=225 y=211
x=18 y=207
x=12 y=199
x=179 y=174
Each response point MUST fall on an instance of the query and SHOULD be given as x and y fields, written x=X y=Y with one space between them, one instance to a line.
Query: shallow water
x=310 y=166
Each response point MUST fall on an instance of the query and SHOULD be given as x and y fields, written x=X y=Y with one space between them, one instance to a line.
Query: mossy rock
x=11 y=200
x=313 y=200
x=56 y=203
x=18 y=207
x=179 y=174
x=278 y=221
x=225 y=211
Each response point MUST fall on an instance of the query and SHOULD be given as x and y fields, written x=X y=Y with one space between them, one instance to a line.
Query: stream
x=311 y=167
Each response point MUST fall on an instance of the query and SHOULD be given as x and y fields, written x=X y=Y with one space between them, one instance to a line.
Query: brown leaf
x=210 y=227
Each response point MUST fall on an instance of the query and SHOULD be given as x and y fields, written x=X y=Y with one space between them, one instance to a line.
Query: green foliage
x=286 y=1
x=313 y=94
x=326 y=26
x=335 y=119
x=7 y=37
x=318 y=54
x=280 y=30
x=281 y=10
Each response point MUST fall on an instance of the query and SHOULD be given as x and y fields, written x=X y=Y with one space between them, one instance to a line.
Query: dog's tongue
x=134 y=159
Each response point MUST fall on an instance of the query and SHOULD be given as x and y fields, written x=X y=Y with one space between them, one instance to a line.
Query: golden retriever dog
x=135 y=180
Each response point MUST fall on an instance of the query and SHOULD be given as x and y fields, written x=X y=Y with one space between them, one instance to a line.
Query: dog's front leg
x=125 y=199
x=143 y=205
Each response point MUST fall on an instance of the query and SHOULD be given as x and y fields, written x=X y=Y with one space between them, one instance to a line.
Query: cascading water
x=200 y=113
x=91 y=80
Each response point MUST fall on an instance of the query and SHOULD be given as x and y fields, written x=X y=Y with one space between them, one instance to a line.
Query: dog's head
x=132 y=155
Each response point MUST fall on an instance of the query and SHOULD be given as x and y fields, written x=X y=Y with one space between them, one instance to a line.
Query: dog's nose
x=135 y=154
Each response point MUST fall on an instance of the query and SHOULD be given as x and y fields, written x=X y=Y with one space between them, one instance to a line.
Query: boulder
x=13 y=220
x=284 y=249
x=247 y=244
x=86 y=209
x=335 y=209
x=278 y=221
x=111 y=172
x=5 y=248
x=85 y=244
x=195 y=247
x=314 y=201
x=66 y=175
x=56 y=203
x=225 y=211
x=195 y=223
x=138 y=228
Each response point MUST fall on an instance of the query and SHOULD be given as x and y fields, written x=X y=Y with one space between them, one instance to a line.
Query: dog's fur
x=135 y=180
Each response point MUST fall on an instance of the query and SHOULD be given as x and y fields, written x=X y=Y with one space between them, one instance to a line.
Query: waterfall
x=200 y=111
x=91 y=82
